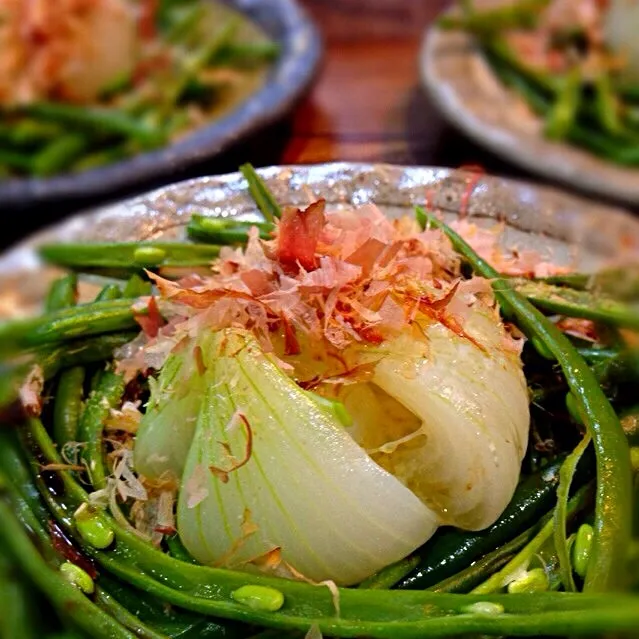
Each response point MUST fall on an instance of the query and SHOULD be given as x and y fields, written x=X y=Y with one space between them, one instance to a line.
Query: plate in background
x=535 y=217
x=464 y=88
x=284 y=21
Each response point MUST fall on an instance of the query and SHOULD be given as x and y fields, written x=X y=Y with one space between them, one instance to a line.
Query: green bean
x=77 y=577
x=100 y=157
x=617 y=371
x=185 y=25
x=17 y=477
x=536 y=97
x=619 y=283
x=62 y=293
x=129 y=255
x=540 y=90
x=543 y=84
x=66 y=324
x=607 y=104
x=563 y=112
x=59 y=154
x=524 y=557
x=176 y=549
x=615 y=150
x=613 y=508
x=160 y=618
x=583 y=304
x=581 y=549
x=68 y=405
x=392 y=574
x=118 y=612
x=108 y=395
x=30 y=133
x=80 y=352
x=519 y=14
x=18 y=604
x=137 y=287
x=469 y=578
x=374 y=613
x=256 y=597
x=92 y=528
x=122 y=82
x=474 y=575
x=25 y=509
x=578 y=281
x=535 y=580
x=242 y=54
x=61 y=594
x=450 y=550
x=96 y=120
x=597 y=355
x=19 y=161
x=217 y=230
x=561 y=513
x=109 y=292
x=196 y=63
x=265 y=201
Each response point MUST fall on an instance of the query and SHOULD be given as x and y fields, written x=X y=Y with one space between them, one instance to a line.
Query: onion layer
x=271 y=473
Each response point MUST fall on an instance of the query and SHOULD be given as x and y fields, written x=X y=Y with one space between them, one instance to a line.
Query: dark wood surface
x=366 y=104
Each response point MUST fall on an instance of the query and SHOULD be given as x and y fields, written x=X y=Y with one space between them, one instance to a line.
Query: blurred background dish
x=465 y=85
x=213 y=74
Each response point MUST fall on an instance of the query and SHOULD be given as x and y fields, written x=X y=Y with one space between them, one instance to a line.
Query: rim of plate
x=293 y=72
x=543 y=211
x=558 y=225
x=466 y=91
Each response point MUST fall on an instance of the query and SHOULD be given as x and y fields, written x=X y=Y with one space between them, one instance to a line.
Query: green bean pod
x=59 y=154
x=109 y=292
x=565 y=301
x=63 y=293
x=265 y=201
x=68 y=405
x=132 y=256
x=60 y=593
x=96 y=120
x=451 y=550
x=374 y=613
x=107 y=395
x=217 y=230
x=66 y=324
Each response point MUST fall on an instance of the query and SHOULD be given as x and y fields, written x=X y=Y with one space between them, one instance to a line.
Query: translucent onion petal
x=305 y=486
x=462 y=451
x=168 y=425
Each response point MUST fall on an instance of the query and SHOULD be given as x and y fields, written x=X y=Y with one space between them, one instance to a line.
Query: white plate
x=464 y=88
x=560 y=226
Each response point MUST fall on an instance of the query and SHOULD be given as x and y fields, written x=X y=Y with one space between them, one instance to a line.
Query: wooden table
x=367 y=104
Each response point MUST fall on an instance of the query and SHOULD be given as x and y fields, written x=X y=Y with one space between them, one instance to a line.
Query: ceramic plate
x=464 y=88
x=562 y=227
x=301 y=48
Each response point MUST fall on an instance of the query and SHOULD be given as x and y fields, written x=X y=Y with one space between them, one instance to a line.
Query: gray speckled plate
x=562 y=227
x=462 y=85
x=283 y=20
